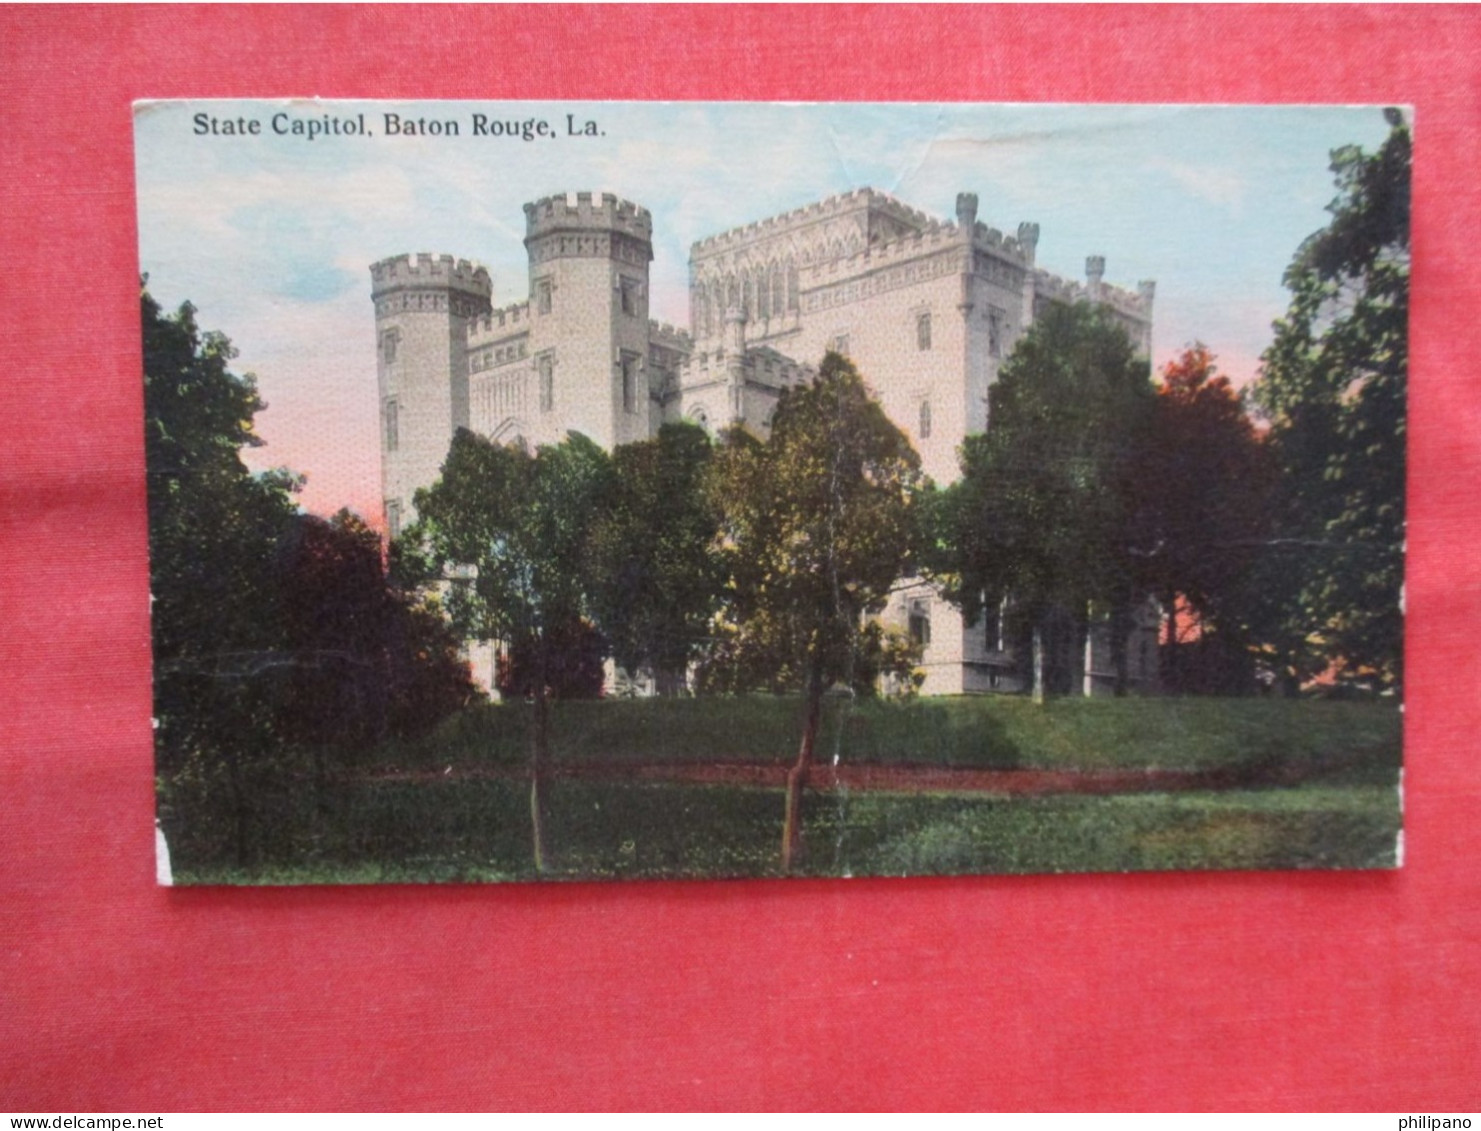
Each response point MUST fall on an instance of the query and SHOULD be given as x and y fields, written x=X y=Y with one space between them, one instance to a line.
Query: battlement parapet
x=985 y=238
x=937 y=237
x=674 y=337
x=760 y=365
x=428 y=270
x=837 y=205
x=589 y=211
x=1135 y=304
x=498 y=324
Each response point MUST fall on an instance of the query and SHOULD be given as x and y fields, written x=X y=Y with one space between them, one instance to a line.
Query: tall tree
x=1333 y=387
x=214 y=535
x=274 y=631
x=1203 y=501
x=366 y=658
x=512 y=531
x=1044 y=510
x=658 y=577
x=818 y=527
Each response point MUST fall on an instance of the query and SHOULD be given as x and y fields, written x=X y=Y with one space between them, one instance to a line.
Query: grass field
x=980 y=732
x=1314 y=785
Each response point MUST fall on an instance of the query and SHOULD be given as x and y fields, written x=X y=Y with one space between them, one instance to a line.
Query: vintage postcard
x=624 y=490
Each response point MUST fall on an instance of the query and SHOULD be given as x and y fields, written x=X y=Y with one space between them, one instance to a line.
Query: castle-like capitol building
x=926 y=308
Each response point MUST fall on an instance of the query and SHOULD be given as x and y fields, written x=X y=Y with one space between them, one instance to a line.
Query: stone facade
x=926 y=308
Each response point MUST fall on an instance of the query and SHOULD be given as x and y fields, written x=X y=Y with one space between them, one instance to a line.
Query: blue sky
x=271 y=237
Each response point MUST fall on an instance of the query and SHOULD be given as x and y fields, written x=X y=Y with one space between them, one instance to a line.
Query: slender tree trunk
x=1120 y=653
x=539 y=758
x=1170 y=659
x=797 y=777
x=1038 y=662
x=1087 y=655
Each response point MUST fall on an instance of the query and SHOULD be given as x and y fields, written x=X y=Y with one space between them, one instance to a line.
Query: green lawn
x=363 y=826
x=479 y=830
x=997 y=732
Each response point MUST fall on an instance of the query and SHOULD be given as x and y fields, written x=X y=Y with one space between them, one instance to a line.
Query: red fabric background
x=1151 y=991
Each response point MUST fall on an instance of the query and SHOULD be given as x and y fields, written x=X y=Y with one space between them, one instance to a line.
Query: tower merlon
x=499 y=324
x=1028 y=240
x=428 y=270
x=591 y=211
x=966 y=210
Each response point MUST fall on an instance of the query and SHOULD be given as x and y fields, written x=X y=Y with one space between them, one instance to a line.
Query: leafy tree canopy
x=1045 y=509
x=817 y=528
x=657 y=575
x=818 y=522
x=1334 y=388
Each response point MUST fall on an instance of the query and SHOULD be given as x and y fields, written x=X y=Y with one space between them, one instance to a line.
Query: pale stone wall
x=423 y=308
x=859 y=271
x=589 y=256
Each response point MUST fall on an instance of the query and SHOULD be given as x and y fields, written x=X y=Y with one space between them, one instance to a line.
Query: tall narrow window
x=393 y=426
x=544 y=296
x=630 y=374
x=393 y=517
x=923 y=331
x=388 y=345
x=925 y=420
x=545 y=365
x=994 y=333
x=628 y=290
x=919 y=624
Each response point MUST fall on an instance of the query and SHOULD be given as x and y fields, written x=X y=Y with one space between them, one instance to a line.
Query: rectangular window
x=393 y=517
x=544 y=296
x=545 y=364
x=393 y=426
x=839 y=344
x=628 y=289
x=995 y=333
x=923 y=331
x=388 y=345
x=919 y=624
x=631 y=371
x=925 y=420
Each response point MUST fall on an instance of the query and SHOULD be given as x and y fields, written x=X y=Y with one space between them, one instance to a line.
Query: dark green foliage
x=1334 y=390
x=818 y=526
x=1204 y=497
x=511 y=531
x=364 y=659
x=511 y=534
x=1046 y=508
x=574 y=669
x=277 y=643
x=657 y=576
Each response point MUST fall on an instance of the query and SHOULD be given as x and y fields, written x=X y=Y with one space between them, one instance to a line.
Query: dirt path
x=863 y=777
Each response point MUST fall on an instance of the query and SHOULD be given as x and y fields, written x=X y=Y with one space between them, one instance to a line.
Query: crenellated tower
x=589 y=333
x=422 y=309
